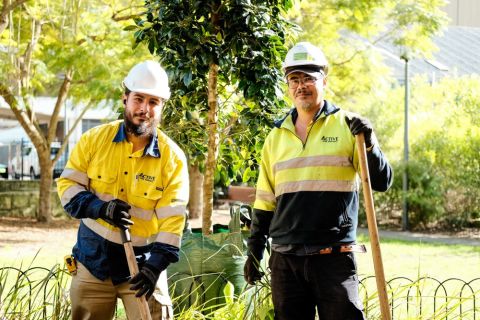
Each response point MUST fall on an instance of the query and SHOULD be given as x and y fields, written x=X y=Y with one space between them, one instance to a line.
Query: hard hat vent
x=305 y=53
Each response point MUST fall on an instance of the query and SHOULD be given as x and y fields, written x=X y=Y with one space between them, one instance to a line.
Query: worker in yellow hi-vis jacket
x=307 y=198
x=126 y=174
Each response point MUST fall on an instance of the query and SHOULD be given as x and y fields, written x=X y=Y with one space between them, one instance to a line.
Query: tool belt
x=343 y=248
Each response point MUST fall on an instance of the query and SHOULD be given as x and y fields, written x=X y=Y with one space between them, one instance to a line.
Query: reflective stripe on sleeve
x=168 y=211
x=265 y=196
x=168 y=238
x=70 y=193
x=313 y=161
x=316 y=185
x=74 y=175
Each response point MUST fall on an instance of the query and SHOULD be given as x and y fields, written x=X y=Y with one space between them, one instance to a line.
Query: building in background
x=463 y=13
x=16 y=150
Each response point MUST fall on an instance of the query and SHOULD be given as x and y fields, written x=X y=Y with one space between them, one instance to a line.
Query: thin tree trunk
x=196 y=192
x=213 y=138
x=6 y=8
x=46 y=179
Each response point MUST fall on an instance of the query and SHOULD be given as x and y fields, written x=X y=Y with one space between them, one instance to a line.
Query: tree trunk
x=211 y=162
x=196 y=192
x=46 y=179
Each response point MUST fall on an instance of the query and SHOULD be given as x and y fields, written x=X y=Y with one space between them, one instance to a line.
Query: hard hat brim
x=152 y=92
x=316 y=73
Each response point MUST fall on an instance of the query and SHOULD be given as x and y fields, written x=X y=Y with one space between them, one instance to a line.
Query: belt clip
x=71 y=264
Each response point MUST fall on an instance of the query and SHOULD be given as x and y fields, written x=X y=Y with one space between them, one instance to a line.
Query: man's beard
x=306 y=106
x=144 y=129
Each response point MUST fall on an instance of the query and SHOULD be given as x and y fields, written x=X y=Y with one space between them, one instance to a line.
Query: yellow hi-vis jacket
x=154 y=181
x=307 y=193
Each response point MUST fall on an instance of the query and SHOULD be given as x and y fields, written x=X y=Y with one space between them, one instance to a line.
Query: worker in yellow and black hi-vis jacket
x=307 y=198
x=126 y=174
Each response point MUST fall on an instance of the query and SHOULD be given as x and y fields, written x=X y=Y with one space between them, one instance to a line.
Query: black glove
x=358 y=125
x=115 y=212
x=144 y=282
x=251 y=270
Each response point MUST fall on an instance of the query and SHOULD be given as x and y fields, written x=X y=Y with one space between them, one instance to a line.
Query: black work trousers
x=327 y=283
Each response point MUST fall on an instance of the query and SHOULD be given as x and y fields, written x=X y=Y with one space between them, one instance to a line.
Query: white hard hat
x=148 y=77
x=305 y=54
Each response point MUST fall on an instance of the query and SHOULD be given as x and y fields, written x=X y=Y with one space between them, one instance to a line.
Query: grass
x=401 y=258
x=414 y=259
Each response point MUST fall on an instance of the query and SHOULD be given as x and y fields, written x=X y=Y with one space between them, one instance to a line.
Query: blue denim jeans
x=302 y=285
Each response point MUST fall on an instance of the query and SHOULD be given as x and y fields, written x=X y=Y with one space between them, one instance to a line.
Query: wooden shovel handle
x=372 y=229
x=133 y=267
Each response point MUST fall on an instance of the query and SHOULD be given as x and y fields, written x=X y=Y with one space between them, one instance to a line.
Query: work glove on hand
x=144 y=282
x=358 y=125
x=115 y=212
x=251 y=270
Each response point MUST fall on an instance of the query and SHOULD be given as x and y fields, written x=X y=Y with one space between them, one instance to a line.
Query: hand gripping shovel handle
x=133 y=267
x=372 y=229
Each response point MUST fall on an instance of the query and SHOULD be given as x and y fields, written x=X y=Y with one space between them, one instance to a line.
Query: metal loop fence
x=425 y=298
x=41 y=293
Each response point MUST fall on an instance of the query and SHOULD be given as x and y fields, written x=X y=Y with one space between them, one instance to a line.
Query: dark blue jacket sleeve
x=84 y=205
x=162 y=255
x=381 y=173
x=259 y=232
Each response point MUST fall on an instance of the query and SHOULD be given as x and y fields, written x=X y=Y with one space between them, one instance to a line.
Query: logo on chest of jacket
x=329 y=139
x=142 y=176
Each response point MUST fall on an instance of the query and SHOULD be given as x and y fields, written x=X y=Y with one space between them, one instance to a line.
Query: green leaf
x=130 y=28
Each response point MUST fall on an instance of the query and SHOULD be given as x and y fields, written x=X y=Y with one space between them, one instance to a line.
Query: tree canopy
x=72 y=50
x=224 y=60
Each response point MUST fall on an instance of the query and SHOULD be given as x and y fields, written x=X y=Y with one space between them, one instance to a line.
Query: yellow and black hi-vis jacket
x=154 y=181
x=307 y=193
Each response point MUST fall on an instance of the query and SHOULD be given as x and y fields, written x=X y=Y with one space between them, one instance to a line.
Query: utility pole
x=405 y=57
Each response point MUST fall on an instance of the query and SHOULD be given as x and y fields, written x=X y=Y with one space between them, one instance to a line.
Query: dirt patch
x=23 y=237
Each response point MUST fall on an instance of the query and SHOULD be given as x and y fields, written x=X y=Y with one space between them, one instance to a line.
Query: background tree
x=70 y=49
x=224 y=60
x=346 y=31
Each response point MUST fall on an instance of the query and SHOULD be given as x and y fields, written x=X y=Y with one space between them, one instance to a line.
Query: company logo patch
x=142 y=176
x=329 y=139
x=302 y=56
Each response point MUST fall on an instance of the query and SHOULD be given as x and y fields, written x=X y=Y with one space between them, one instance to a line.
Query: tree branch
x=70 y=131
x=6 y=9
x=26 y=60
x=32 y=130
x=117 y=17
x=61 y=98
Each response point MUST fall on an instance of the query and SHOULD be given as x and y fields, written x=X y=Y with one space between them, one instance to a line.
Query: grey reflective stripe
x=168 y=238
x=265 y=196
x=134 y=211
x=140 y=213
x=313 y=161
x=74 y=175
x=169 y=211
x=104 y=196
x=113 y=235
x=316 y=185
x=70 y=193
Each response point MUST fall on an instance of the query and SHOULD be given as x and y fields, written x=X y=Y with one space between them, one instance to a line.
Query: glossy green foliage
x=246 y=40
